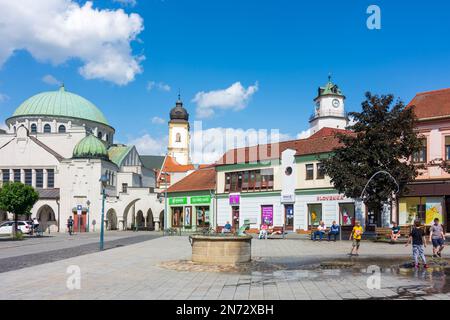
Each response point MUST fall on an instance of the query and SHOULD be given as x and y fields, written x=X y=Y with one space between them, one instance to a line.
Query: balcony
x=336 y=114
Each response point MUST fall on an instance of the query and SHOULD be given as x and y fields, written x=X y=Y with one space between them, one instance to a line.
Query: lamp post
x=165 y=199
x=103 y=180
x=88 y=203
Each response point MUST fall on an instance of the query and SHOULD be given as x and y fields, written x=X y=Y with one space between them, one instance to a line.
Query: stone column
x=157 y=226
x=22 y=175
x=33 y=178
x=11 y=175
x=45 y=179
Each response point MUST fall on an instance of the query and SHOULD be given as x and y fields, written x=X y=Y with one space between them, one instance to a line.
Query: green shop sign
x=201 y=200
x=176 y=201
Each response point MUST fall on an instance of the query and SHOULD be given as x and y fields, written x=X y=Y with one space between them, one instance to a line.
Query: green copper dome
x=90 y=148
x=60 y=103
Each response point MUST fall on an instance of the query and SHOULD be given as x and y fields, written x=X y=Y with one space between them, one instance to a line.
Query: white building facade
x=61 y=144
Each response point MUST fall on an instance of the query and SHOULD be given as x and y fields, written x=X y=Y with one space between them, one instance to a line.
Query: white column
x=22 y=175
x=11 y=175
x=45 y=179
x=33 y=178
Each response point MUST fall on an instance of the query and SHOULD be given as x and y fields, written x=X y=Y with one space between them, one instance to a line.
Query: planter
x=227 y=250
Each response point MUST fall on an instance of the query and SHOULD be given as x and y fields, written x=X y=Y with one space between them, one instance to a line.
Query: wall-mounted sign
x=79 y=210
x=287 y=198
x=201 y=200
x=235 y=199
x=330 y=198
x=177 y=201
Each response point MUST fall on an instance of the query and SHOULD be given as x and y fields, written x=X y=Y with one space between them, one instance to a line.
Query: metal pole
x=102 y=220
x=165 y=209
x=87 y=226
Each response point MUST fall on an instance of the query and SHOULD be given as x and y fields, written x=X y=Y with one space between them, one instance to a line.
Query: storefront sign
x=201 y=200
x=235 y=199
x=330 y=198
x=287 y=198
x=267 y=214
x=177 y=201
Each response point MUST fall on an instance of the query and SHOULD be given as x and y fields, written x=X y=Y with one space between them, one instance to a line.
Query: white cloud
x=158 y=120
x=131 y=3
x=161 y=86
x=148 y=145
x=3 y=97
x=304 y=134
x=51 y=80
x=209 y=145
x=236 y=97
x=59 y=30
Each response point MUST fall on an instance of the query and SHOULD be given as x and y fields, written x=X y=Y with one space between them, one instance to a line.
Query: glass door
x=289 y=217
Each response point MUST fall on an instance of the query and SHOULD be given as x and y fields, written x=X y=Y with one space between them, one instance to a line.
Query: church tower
x=329 y=110
x=179 y=135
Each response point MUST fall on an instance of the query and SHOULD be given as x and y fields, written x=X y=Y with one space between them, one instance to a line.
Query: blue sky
x=283 y=48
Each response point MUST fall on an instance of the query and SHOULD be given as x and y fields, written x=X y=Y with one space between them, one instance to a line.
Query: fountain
x=223 y=249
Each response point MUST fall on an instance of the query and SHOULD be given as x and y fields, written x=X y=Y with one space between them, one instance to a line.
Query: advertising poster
x=434 y=210
x=267 y=215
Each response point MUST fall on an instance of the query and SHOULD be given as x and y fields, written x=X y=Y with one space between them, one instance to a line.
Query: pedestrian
x=334 y=231
x=419 y=242
x=437 y=238
x=356 y=234
x=263 y=231
x=35 y=222
x=70 y=225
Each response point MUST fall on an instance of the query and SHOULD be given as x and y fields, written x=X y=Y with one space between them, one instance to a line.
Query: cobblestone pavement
x=16 y=255
x=136 y=272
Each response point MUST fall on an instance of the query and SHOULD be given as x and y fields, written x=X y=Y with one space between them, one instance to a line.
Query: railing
x=338 y=114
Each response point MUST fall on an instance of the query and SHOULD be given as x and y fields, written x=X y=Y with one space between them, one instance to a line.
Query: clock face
x=336 y=103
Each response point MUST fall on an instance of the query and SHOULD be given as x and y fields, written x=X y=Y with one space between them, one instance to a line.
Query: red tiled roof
x=200 y=180
x=171 y=165
x=431 y=104
x=323 y=141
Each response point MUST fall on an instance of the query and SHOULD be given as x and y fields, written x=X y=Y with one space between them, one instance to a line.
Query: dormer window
x=47 y=128
x=62 y=129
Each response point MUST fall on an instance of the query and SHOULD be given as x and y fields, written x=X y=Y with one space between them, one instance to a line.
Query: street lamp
x=88 y=203
x=165 y=174
x=103 y=180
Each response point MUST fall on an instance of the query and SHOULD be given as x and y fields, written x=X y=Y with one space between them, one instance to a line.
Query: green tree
x=383 y=139
x=17 y=198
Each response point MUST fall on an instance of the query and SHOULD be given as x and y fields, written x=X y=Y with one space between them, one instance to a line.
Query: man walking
x=70 y=225
x=419 y=242
x=437 y=238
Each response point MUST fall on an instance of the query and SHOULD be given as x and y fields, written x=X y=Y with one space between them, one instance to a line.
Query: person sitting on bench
x=334 y=231
x=395 y=233
x=321 y=229
x=227 y=228
x=263 y=231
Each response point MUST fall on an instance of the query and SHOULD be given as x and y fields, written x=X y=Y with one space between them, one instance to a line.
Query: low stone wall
x=227 y=250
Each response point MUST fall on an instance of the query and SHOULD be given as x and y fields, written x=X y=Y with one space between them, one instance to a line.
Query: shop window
x=34 y=128
x=47 y=128
x=177 y=217
x=50 y=178
x=39 y=178
x=347 y=211
x=421 y=155
x=421 y=213
x=28 y=177
x=320 y=171
x=188 y=217
x=16 y=175
x=309 y=172
x=203 y=216
x=5 y=175
x=447 y=148
x=267 y=215
x=315 y=214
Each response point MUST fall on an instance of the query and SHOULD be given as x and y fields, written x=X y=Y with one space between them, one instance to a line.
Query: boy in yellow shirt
x=356 y=235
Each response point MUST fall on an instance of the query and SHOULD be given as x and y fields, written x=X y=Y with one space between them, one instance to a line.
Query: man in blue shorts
x=437 y=237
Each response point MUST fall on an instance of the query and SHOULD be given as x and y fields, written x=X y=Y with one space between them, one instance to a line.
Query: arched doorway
x=111 y=220
x=128 y=220
x=140 y=220
x=46 y=217
x=162 y=223
x=150 y=224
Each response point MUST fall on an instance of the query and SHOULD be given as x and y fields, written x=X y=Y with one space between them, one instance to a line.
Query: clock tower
x=179 y=135
x=329 y=109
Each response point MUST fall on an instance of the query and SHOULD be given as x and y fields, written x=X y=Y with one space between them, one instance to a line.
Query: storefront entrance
x=235 y=216
x=203 y=219
x=289 y=217
x=79 y=222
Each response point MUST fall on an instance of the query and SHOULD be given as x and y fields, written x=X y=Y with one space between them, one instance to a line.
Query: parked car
x=6 y=227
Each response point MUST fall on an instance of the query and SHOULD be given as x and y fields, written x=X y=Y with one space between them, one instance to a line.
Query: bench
x=314 y=229
x=385 y=233
x=276 y=233
x=172 y=232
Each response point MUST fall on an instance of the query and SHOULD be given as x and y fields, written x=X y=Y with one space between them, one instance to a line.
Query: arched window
x=107 y=137
x=62 y=129
x=34 y=128
x=178 y=137
x=99 y=135
x=47 y=128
